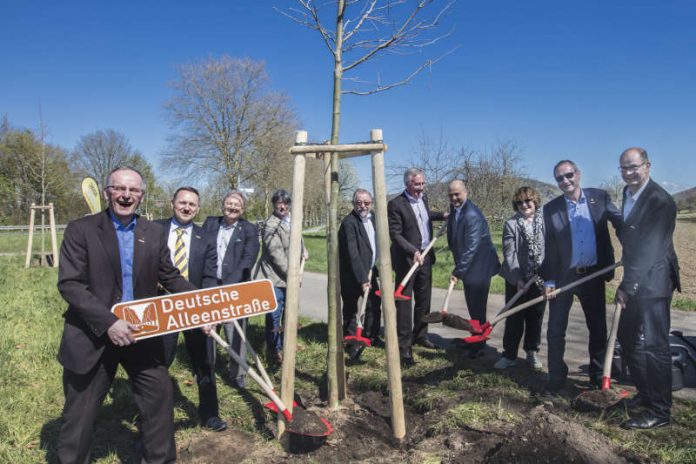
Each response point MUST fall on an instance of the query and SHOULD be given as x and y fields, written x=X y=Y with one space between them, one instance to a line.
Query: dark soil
x=362 y=433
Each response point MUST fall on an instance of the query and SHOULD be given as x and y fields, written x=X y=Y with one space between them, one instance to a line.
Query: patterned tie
x=180 y=258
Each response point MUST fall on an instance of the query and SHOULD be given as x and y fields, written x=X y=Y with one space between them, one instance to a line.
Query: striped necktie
x=180 y=258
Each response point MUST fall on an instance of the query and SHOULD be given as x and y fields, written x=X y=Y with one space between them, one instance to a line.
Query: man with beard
x=577 y=243
x=112 y=257
x=193 y=253
x=357 y=252
x=651 y=273
x=410 y=230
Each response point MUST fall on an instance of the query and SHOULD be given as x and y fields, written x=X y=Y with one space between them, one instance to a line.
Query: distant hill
x=686 y=199
x=546 y=190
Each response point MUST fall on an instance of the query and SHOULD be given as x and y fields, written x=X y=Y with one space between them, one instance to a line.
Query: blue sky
x=562 y=79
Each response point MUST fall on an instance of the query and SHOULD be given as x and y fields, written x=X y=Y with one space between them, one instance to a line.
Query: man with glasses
x=107 y=258
x=237 y=249
x=357 y=251
x=577 y=243
x=651 y=273
x=410 y=230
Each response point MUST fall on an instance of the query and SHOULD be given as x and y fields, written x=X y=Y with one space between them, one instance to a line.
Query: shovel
x=597 y=400
x=302 y=423
x=358 y=339
x=481 y=332
x=399 y=293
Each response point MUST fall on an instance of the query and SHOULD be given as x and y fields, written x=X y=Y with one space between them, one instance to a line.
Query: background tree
x=101 y=151
x=221 y=114
x=376 y=28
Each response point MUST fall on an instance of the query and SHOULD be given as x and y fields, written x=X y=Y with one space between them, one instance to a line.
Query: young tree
x=221 y=112
x=377 y=28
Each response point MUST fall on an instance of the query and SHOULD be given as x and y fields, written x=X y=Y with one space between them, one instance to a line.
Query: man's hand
x=621 y=298
x=305 y=255
x=520 y=284
x=366 y=286
x=417 y=257
x=121 y=333
x=453 y=279
x=549 y=293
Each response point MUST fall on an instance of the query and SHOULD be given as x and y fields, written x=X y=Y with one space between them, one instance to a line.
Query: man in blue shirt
x=107 y=258
x=577 y=243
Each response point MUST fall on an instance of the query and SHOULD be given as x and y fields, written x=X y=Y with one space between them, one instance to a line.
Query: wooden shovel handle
x=609 y=355
x=517 y=295
x=445 y=304
x=427 y=249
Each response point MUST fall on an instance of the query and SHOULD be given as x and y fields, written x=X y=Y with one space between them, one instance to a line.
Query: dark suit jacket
x=475 y=258
x=242 y=250
x=89 y=279
x=557 y=239
x=404 y=232
x=202 y=255
x=355 y=253
x=651 y=269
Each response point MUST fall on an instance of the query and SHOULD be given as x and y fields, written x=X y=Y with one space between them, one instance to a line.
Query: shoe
x=215 y=424
x=425 y=343
x=504 y=363
x=274 y=357
x=407 y=361
x=645 y=421
x=377 y=342
x=549 y=394
x=355 y=351
x=534 y=361
x=239 y=382
x=596 y=381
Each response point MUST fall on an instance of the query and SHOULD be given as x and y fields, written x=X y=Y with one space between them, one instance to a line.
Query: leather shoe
x=425 y=343
x=215 y=424
x=645 y=421
x=407 y=361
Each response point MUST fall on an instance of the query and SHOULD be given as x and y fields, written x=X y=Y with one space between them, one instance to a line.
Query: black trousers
x=152 y=391
x=527 y=321
x=593 y=303
x=409 y=314
x=199 y=347
x=644 y=337
x=373 y=310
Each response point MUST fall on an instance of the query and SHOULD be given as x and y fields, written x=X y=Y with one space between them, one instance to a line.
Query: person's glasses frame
x=567 y=175
x=632 y=167
x=124 y=189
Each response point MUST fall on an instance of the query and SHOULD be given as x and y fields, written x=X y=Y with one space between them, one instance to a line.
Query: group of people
x=117 y=256
x=544 y=248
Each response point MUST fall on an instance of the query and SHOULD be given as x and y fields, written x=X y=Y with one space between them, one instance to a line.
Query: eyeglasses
x=567 y=175
x=631 y=167
x=123 y=189
x=522 y=202
x=363 y=203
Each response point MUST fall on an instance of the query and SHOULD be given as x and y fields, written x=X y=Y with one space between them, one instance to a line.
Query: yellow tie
x=180 y=258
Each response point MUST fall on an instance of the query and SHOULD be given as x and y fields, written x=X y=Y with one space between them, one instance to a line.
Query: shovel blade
x=433 y=318
x=456 y=322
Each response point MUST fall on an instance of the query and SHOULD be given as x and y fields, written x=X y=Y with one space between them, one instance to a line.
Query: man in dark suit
x=651 y=273
x=193 y=253
x=577 y=243
x=107 y=258
x=357 y=253
x=237 y=249
x=410 y=230
x=475 y=258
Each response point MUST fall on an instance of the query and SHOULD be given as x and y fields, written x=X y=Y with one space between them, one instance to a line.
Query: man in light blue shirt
x=577 y=243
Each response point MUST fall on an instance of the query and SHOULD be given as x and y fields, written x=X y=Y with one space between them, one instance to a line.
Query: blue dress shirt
x=126 y=238
x=582 y=233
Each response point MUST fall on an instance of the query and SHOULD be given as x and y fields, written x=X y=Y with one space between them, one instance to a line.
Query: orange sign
x=181 y=311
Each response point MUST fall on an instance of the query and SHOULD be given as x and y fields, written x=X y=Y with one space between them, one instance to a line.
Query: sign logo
x=182 y=311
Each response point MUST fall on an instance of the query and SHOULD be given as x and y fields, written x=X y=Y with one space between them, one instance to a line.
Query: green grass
x=31 y=395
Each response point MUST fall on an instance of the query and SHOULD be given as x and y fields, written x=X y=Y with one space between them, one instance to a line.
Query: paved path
x=313 y=305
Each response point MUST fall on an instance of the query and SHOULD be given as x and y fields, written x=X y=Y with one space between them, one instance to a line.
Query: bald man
x=475 y=259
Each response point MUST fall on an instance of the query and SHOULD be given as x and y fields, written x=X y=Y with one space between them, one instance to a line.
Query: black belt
x=582 y=270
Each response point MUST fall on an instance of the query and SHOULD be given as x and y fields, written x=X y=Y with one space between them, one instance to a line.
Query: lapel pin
x=141 y=240
x=593 y=201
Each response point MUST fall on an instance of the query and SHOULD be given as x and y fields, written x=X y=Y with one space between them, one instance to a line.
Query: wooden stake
x=32 y=215
x=387 y=283
x=54 y=239
x=292 y=297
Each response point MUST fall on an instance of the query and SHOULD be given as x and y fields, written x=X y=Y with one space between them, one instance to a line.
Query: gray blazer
x=275 y=245
x=516 y=252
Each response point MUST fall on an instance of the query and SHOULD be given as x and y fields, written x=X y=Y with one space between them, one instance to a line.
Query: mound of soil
x=547 y=438
x=212 y=447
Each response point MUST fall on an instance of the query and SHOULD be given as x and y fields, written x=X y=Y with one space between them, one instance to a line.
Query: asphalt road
x=313 y=304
